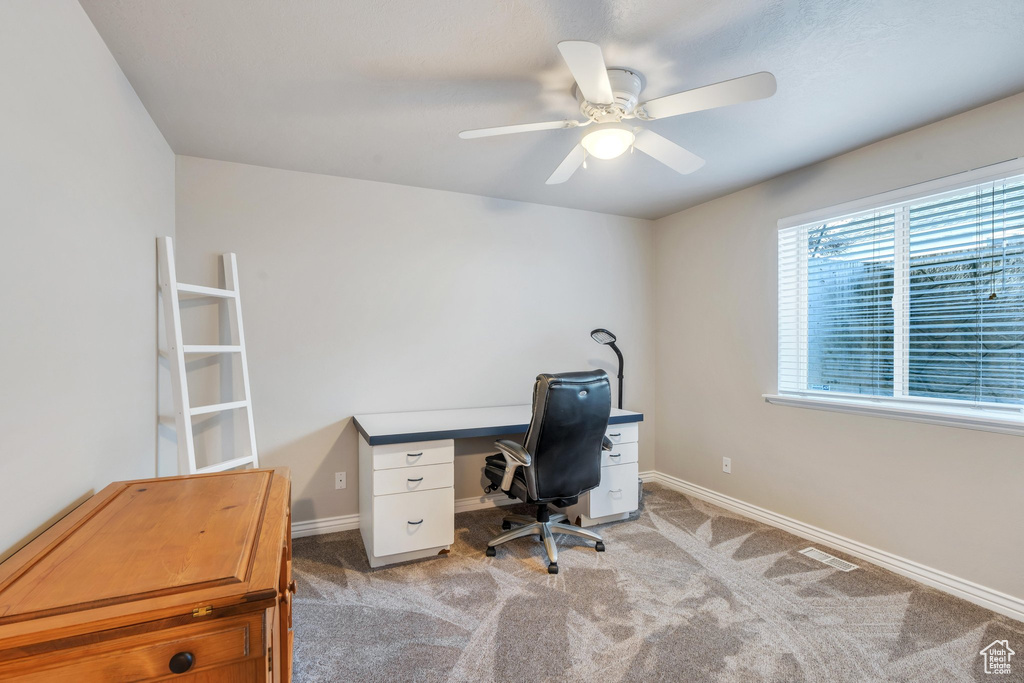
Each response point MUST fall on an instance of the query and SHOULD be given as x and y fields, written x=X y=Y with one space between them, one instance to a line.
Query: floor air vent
x=830 y=560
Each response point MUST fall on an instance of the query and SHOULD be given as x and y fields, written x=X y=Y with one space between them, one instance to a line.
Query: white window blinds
x=920 y=300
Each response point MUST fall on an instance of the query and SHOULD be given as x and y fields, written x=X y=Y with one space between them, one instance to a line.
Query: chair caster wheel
x=491 y=551
x=553 y=568
x=505 y=526
x=599 y=547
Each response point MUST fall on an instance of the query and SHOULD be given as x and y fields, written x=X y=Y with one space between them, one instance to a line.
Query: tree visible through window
x=849 y=310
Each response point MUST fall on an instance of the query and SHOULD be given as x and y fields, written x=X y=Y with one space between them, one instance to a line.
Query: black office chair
x=560 y=458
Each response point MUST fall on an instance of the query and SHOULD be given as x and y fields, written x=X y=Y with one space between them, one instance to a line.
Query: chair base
x=545 y=526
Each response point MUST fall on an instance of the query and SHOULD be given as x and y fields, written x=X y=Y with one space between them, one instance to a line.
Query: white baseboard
x=493 y=500
x=649 y=475
x=330 y=525
x=968 y=590
x=327 y=525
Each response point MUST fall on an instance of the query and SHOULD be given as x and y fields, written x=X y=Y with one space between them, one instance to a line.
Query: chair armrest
x=606 y=444
x=515 y=456
x=513 y=450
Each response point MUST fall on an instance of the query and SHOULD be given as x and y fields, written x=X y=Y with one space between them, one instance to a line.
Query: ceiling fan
x=608 y=97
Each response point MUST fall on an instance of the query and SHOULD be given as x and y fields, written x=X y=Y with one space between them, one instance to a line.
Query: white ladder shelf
x=172 y=291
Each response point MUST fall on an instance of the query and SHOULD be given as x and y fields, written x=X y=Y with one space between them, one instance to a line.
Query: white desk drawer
x=617 y=492
x=413 y=454
x=407 y=479
x=404 y=522
x=621 y=454
x=625 y=433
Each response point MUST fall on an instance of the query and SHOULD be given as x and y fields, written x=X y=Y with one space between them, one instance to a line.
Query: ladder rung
x=226 y=465
x=210 y=348
x=206 y=291
x=218 y=407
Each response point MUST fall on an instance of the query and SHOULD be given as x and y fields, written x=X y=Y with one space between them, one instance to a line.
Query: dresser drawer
x=617 y=492
x=146 y=656
x=407 y=479
x=621 y=454
x=413 y=454
x=404 y=522
x=624 y=433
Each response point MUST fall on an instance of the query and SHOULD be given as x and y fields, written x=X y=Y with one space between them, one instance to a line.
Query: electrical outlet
x=339 y=480
x=727 y=465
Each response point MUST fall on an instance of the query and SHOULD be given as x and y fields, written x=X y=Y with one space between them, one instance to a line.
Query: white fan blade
x=667 y=152
x=519 y=128
x=568 y=166
x=586 y=63
x=743 y=89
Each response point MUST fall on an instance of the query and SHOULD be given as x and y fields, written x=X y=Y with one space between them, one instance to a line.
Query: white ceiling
x=379 y=90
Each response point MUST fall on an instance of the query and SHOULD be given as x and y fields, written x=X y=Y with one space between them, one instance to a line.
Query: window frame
x=997 y=417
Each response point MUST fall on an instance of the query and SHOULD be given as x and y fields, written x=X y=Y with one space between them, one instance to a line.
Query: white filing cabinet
x=406 y=499
x=617 y=494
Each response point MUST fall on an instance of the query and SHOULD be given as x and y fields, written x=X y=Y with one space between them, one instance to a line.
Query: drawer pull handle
x=615 y=435
x=413 y=455
x=419 y=522
x=414 y=481
x=181 y=662
x=615 y=491
x=615 y=455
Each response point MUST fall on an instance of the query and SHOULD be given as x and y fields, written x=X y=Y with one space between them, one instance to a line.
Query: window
x=911 y=303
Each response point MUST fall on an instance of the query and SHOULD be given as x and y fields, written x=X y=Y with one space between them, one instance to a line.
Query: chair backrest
x=570 y=416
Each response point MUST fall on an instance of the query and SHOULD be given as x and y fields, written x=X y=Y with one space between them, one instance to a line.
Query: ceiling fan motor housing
x=626 y=87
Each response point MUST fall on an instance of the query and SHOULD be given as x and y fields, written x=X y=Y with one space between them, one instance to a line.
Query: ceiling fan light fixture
x=608 y=98
x=608 y=142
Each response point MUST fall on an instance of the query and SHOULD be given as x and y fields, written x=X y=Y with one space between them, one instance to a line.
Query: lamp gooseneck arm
x=619 y=354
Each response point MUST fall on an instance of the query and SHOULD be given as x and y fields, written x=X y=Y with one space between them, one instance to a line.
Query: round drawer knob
x=181 y=662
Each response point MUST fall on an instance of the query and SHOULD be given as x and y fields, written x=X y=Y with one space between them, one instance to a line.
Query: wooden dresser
x=178 y=578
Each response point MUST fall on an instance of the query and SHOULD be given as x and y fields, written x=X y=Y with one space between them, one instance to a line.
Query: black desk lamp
x=602 y=336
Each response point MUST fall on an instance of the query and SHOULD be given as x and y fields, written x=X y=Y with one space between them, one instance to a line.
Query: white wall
x=364 y=297
x=945 y=497
x=86 y=183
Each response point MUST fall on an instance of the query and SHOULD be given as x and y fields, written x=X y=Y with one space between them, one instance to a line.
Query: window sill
x=967 y=418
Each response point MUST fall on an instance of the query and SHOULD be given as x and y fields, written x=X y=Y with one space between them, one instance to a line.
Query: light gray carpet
x=687 y=592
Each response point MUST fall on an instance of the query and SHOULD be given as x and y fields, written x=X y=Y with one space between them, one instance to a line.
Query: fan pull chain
x=584 y=159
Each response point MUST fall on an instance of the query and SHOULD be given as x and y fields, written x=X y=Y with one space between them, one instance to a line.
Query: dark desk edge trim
x=386 y=439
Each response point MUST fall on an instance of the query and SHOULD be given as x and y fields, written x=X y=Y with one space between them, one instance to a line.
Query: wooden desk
x=176 y=578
